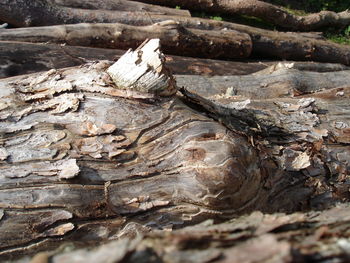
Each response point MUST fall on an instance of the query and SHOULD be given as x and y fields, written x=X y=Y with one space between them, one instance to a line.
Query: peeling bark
x=265 y=11
x=76 y=144
x=299 y=237
x=300 y=120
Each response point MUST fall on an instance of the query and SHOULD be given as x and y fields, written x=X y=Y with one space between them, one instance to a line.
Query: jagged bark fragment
x=143 y=70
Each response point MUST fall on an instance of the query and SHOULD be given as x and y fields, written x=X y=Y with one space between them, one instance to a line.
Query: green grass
x=339 y=36
x=294 y=11
x=246 y=20
x=217 y=18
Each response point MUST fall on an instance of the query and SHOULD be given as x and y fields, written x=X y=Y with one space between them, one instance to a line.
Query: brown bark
x=44 y=12
x=265 y=11
x=266 y=43
x=175 y=39
x=120 y=5
x=18 y=58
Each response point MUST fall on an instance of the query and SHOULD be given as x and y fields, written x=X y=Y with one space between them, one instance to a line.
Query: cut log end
x=144 y=70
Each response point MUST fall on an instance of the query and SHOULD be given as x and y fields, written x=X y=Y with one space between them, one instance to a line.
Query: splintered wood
x=143 y=70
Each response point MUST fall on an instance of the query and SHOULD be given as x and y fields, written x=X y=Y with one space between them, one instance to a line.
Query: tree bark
x=86 y=159
x=81 y=157
x=265 y=11
x=175 y=39
x=18 y=58
x=298 y=119
x=21 y=13
x=266 y=43
x=120 y=5
x=255 y=238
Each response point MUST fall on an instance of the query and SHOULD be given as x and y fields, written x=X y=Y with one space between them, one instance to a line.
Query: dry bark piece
x=265 y=11
x=175 y=39
x=143 y=70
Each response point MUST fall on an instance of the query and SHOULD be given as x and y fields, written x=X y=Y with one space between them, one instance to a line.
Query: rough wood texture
x=18 y=58
x=265 y=11
x=266 y=43
x=44 y=12
x=81 y=159
x=300 y=120
x=175 y=39
x=255 y=238
x=120 y=5
x=143 y=70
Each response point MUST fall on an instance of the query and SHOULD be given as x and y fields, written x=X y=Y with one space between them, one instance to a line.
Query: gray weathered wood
x=81 y=158
x=298 y=237
x=300 y=120
x=86 y=161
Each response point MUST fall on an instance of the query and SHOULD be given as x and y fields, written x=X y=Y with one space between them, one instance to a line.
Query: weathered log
x=84 y=159
x=81 y=158
x=266 y=43
x=265 y=11
x=174 y=38
x=121 y=5
x=17 y=58
x=300 y=123
x=278 y=81
x=44 y=12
